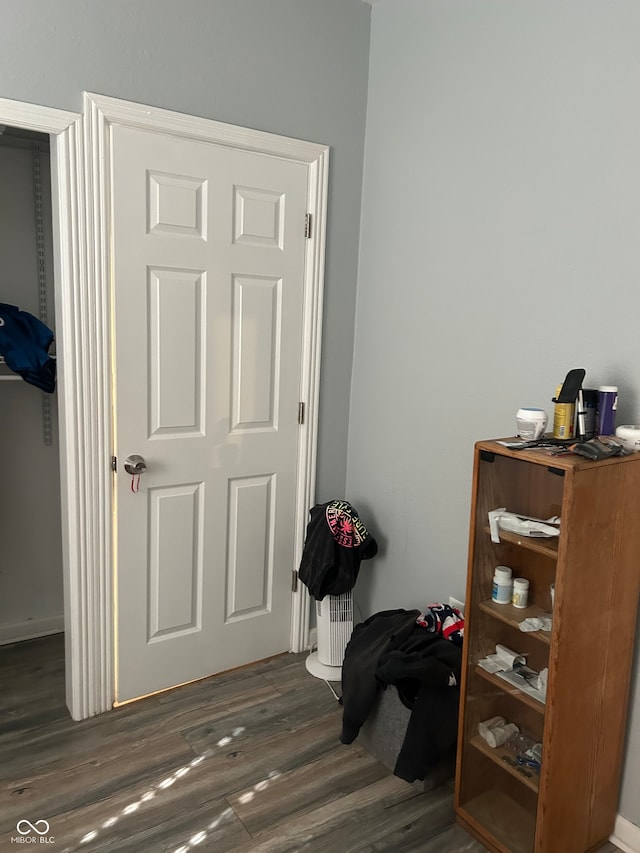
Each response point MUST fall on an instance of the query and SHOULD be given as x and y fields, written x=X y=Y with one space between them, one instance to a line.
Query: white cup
x=531 y=423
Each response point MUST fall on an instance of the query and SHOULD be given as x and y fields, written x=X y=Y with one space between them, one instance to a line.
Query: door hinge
x=307 y=225
x=114 y=463
x=300 y=413
x=294 y=581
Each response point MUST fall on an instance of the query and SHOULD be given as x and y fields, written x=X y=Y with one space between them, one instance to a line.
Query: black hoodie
x=335 y=543
x=392 y=648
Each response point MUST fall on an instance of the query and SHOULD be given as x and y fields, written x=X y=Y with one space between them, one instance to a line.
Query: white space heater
x=334 y=616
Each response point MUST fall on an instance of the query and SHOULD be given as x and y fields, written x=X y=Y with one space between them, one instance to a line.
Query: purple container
x=607 y=406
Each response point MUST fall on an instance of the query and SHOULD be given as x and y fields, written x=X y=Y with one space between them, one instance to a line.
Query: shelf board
x=546 y=546
x=5 y=373
x=496 y=755
x=502 y=819
x=515 y=615
x=511 y=689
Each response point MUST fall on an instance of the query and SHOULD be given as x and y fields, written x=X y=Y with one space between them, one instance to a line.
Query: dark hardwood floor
x=245 y=762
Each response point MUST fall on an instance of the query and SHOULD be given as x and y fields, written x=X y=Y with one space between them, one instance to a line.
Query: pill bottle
x=520 y=594
x=502 y=585
x=564 y=415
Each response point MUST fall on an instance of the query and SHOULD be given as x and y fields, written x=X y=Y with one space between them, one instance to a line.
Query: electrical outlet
x=455 y=602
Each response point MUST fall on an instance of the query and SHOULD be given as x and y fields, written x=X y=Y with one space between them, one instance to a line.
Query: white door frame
x=81 y=209
x=78 y=371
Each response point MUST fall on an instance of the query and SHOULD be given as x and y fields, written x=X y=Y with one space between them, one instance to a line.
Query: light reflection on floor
x=245 y=798
x=179 y=773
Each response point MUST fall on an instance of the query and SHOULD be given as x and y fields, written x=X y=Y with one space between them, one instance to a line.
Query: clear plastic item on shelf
x=536 y=623
x=521 y=525
x=520 y=742
x=527 y=750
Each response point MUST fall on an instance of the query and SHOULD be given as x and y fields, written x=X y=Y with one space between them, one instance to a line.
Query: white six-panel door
x=208 y=262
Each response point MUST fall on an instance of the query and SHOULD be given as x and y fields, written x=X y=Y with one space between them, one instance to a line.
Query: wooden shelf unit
x=572 y=805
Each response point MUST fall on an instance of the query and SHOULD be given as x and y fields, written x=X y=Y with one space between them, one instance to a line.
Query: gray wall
x=291 y=67
x=500 y=247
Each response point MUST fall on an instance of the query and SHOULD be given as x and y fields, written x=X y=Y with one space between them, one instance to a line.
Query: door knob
x=135 y=464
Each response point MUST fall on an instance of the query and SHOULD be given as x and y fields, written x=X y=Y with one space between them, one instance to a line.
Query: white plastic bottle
x=520 y=595
x=502 y=589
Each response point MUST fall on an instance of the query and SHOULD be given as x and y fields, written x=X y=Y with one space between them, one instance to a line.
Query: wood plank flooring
x=245 y=762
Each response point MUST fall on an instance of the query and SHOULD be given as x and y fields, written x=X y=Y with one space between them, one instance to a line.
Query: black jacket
x=391 y=648
x=335 y=543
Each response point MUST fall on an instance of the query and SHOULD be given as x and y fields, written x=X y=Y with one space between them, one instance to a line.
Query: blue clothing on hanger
x=24 y=343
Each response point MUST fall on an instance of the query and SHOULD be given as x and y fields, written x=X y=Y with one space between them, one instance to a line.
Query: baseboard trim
x=626 y=835
x=15 y=632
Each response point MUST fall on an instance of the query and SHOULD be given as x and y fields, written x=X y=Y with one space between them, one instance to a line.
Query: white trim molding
x=29 y=629
x=79 y=497
x=34 y=117
x=318 y=179
x=101 y=113
x=626 y=835
x=83 y=471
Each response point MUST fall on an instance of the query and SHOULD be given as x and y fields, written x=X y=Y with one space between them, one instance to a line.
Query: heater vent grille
x=335 y=626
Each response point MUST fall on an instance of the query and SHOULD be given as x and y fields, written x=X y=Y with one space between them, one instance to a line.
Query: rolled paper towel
x=500 y=734
x=490 y=724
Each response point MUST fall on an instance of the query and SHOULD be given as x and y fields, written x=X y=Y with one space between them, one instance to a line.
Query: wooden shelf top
x=514 y=616
x=542 y=456
x=498 y=754
x=511 y=689
x=541 y=545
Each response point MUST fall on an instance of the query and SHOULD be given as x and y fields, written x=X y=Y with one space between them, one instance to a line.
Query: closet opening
x=31 y=561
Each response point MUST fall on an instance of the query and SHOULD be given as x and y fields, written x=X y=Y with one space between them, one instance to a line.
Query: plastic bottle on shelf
x=520 y=594
x=607 y=407
x=502 y=589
